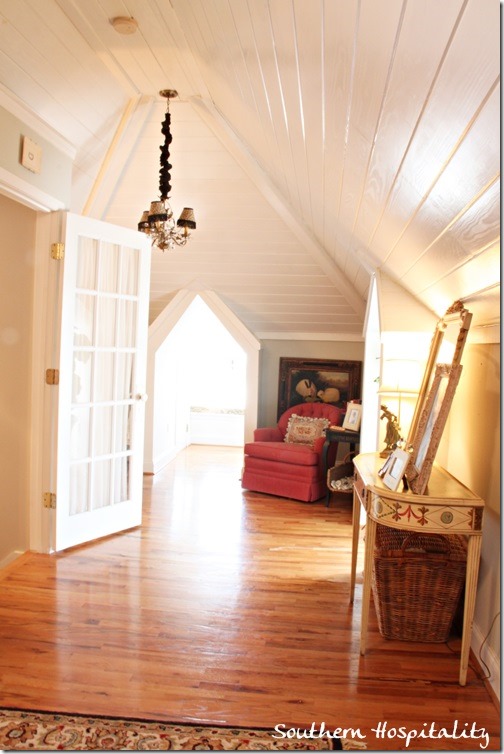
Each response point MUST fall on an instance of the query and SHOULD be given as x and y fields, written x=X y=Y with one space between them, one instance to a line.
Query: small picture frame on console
x=395 y=468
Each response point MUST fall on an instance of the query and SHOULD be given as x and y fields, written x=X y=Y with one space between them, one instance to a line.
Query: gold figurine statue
x=393 y=432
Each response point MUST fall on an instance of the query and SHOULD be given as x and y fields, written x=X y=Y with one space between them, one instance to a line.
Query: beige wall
x=470 y=450
x=269 y=360
x=17 y=241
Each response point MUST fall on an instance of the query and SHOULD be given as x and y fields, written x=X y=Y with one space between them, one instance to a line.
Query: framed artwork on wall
x=317 y=381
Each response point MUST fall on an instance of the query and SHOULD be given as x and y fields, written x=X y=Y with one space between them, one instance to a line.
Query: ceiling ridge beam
x=263 y=182
x=132 y=121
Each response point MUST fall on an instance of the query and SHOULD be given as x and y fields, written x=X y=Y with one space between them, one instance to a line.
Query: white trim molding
x=16 y=188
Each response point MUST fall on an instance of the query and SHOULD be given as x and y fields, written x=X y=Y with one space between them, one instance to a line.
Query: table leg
x=472 y=568
x=325 y=448
x=366 y=589
x=355 y=541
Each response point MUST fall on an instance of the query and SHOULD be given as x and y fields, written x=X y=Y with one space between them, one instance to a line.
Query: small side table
x=338 y=434
x=447 y=507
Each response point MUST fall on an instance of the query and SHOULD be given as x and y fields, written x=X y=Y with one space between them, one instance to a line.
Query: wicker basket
x=341 y=470
x=417 y=582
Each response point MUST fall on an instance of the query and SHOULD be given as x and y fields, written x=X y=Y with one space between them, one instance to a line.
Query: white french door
x=94 y=417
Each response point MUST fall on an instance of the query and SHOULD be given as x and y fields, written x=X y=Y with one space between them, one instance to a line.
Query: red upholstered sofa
x=290 y=469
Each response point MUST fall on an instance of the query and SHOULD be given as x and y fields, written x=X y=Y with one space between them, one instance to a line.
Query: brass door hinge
x=49 y=499
x=57 y=251
x=52 y=376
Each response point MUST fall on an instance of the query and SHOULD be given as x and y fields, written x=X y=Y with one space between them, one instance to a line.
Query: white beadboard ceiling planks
x=462 y=86
x=369 y=82
x=411 y=78
x=466 y=187
x=338 y=53
x=284 y=211
x=317 y=142
x=47 y=75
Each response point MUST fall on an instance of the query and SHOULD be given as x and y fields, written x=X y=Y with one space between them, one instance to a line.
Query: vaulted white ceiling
x=317 y=140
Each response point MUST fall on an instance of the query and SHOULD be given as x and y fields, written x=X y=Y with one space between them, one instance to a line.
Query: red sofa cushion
x=284 y=452
x=284 y=471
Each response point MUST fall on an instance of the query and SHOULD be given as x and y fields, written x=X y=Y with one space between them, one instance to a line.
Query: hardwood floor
x=228 y=607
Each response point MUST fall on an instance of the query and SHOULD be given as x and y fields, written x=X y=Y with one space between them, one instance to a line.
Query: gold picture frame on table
x=431 y=425
x=435 y=397
x=456 y=318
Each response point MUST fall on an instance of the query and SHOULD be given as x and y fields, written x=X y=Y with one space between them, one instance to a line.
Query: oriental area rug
x=23 y=730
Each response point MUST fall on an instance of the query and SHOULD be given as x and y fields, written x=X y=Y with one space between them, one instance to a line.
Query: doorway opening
x=202 y=378
x=215 y=369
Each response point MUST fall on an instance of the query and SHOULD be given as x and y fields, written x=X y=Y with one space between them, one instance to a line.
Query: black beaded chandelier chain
x=158 y=223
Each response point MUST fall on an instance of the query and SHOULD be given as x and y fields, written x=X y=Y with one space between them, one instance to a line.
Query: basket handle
x=415 y=535
x=349 y=456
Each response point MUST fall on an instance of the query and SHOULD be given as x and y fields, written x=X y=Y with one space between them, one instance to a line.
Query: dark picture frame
x=318 y=381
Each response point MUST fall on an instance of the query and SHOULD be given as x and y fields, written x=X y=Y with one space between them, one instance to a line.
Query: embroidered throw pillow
x=304 y=430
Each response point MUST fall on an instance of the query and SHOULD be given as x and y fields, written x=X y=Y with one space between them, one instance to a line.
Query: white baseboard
x=489 y=657
x=161 y=460
x=11 y=557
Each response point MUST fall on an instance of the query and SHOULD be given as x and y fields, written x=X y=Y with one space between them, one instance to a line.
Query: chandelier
x=158 y=223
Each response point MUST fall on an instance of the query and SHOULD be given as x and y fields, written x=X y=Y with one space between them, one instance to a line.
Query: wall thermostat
x=31 y=155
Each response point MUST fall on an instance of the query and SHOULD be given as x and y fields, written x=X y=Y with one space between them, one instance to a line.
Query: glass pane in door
x=104 y=376
x=121 y=479
x=80 y=433
x=79 y=488
x=81 y=378
x=109 y=261
x=86 y=263
x=128 y=281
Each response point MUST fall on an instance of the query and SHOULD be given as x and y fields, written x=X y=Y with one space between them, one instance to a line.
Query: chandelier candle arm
x=158 y=222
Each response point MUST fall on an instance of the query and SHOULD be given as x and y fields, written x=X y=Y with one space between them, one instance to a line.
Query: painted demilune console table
x=446 y=507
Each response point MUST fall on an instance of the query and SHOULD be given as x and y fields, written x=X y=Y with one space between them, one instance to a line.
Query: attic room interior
x=335 y=168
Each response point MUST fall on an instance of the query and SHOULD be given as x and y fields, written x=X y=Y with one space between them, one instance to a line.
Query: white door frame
x=159 y=331
x=42 y=300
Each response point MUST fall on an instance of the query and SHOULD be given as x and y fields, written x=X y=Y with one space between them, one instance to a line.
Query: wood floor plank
x=227 y=607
